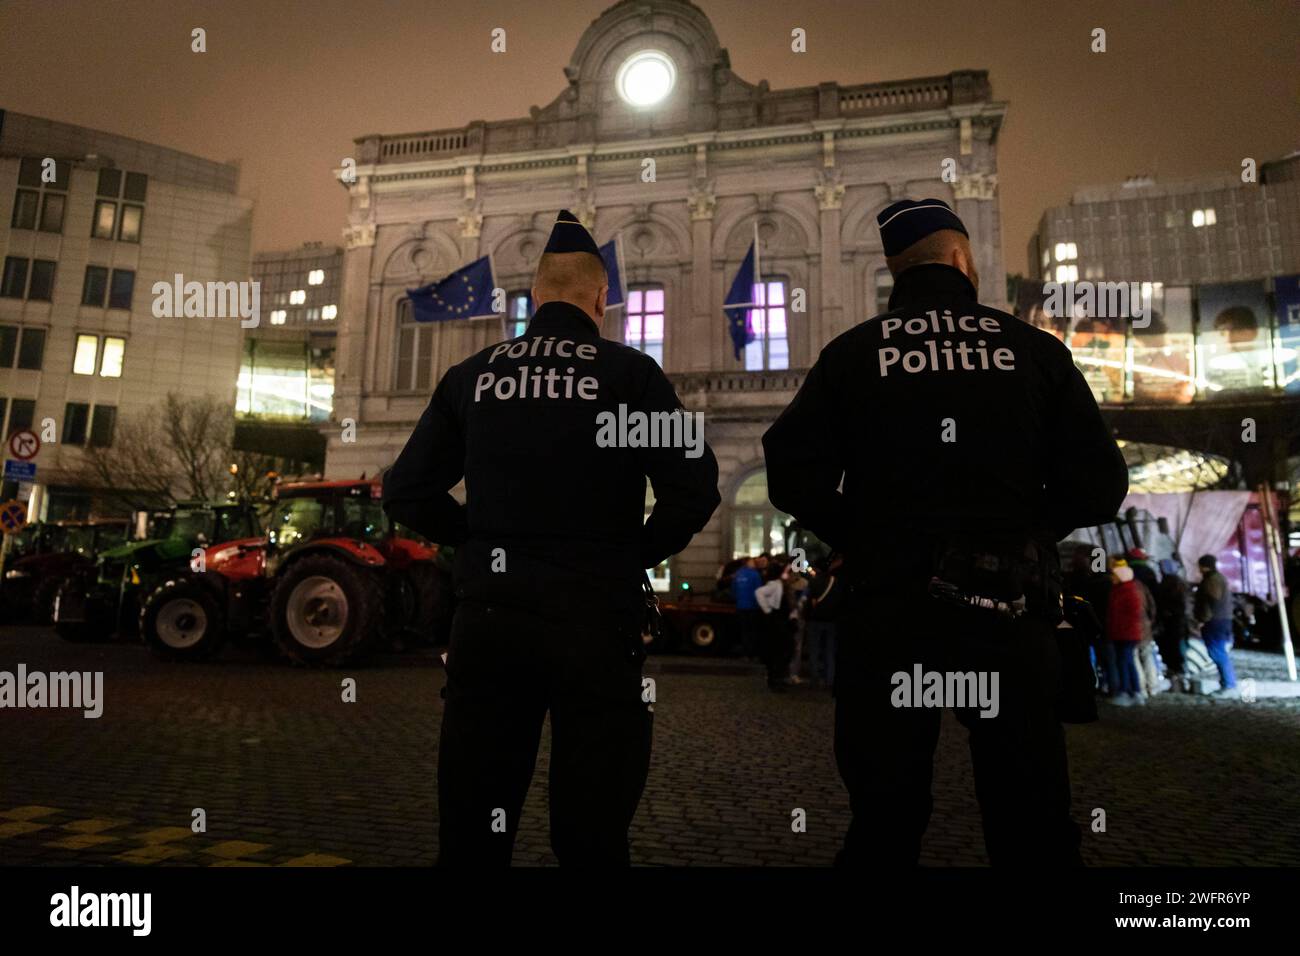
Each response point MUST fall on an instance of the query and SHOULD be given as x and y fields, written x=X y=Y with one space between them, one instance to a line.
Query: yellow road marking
x=81 y=841
x=18 y=827
x=154 y=853
x=94 y=825
x=165 y=835
x=28 y=813
x=234 y=849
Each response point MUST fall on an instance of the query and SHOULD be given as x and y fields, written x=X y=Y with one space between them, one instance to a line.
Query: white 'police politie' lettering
x=943 y=355
x=536 y=381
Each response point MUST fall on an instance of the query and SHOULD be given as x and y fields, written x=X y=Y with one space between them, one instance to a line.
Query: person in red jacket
x=1126 y=626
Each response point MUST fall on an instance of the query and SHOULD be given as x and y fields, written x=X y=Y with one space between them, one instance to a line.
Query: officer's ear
x=961 y=257
x=601 y=295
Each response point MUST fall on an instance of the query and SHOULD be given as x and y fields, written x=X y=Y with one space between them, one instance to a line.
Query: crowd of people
x=1148 y=629
x=787 y=610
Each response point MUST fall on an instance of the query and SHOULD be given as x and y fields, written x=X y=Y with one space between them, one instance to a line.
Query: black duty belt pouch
x=1003 y=568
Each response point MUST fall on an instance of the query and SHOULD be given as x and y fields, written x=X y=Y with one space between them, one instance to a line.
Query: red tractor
x=330 y=580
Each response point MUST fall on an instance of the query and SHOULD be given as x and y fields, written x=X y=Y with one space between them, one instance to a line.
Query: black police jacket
x=941 y=416
x=542 y=429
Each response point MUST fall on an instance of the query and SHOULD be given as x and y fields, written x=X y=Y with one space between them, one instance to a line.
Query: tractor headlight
x=16 y=573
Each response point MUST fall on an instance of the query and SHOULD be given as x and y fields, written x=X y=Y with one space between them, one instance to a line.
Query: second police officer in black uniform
x=552 y=543
x=967 y=444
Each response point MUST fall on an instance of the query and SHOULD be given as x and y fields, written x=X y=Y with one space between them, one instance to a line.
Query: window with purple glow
x=771 y=346
x=643 y=329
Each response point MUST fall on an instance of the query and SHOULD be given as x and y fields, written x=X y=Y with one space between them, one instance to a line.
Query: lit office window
x=83 y=362
x=329 y=312
x=1067 y=273
x=298 y=297
x=1066 y=251
x=771 y=346
x=110 y=361
x=644 y=326
x=316 y=277
x=105 y=223
x=1203 y=217
x=313 y=315
x=277 y=317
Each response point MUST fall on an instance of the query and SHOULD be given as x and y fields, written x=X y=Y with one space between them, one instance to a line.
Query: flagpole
x=758 y=258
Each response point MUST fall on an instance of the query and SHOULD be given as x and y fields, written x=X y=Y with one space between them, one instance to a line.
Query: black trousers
x=885 y=753
x=778 y=646
x=505 y=671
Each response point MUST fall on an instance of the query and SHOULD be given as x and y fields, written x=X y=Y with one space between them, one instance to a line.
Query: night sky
x=1185 y=88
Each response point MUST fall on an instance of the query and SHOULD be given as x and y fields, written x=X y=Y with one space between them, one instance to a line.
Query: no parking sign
x=13 y=515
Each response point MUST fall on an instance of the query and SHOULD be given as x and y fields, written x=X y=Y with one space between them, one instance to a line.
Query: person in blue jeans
x=825 y=592
x=744 y=583
x=1213 y=608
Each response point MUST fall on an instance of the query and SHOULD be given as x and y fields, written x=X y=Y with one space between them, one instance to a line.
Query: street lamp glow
x=646 y=78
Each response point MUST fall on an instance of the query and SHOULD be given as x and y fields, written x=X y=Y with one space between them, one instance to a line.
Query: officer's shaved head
x=945 y=246
x=574 y=277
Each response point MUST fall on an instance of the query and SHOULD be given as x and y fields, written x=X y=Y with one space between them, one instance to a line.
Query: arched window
x=756 y=526
x=414 y=350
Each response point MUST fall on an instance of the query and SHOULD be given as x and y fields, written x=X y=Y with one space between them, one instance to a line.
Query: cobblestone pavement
x=288 y=774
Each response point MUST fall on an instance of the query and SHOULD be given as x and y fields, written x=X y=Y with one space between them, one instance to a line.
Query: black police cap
x=912 y=220
x=569 y=235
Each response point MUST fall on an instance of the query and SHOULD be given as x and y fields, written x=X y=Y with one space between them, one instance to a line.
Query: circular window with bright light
x=646 y=78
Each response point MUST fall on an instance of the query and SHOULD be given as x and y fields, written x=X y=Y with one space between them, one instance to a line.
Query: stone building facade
x=808 y=168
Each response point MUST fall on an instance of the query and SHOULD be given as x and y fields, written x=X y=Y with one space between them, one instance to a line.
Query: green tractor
x=107 y=599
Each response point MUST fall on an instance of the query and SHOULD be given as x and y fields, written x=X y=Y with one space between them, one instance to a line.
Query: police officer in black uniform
x=552 y=543
x=968 y=444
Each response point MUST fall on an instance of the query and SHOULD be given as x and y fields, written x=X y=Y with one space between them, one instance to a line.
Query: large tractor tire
x=325 y=611
x=181 y=621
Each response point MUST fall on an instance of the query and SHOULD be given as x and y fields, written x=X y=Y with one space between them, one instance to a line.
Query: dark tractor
x=56 y=553
x=331 y=580
x=106 y=600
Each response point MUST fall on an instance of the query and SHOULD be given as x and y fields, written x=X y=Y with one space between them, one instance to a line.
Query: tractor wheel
x=182 y=622
x=702 y=636
x=324 y=611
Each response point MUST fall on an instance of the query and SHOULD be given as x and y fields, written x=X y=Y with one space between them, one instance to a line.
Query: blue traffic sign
x=20 y=470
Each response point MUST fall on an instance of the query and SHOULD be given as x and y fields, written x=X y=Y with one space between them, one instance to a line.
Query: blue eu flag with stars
x=464 y=294
x=738 y=303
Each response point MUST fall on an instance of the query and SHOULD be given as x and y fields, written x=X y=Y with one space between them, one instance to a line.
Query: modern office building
x=287 y=372
x=1206 y=358
x=95 y=221
x=652 y=138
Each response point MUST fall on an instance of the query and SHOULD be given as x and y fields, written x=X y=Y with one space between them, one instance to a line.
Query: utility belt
x=1009 y=574
x=1006 y=574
